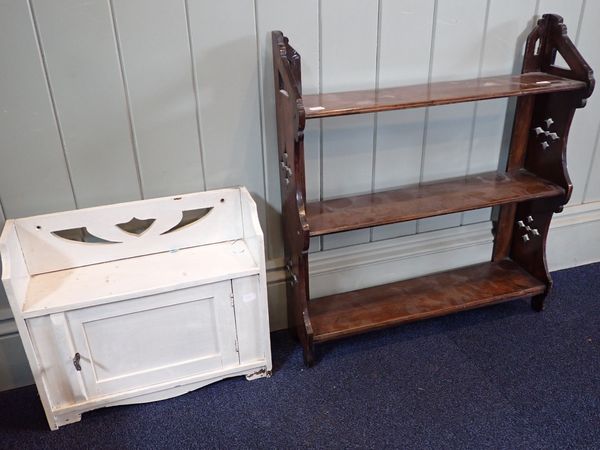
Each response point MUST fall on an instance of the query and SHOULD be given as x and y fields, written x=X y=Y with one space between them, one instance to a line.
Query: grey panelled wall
x=112 y=100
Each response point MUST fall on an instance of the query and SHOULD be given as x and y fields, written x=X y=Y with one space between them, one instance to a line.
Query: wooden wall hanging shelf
x=534 y=185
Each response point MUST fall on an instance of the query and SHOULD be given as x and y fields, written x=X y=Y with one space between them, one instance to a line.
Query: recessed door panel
x=155 y=339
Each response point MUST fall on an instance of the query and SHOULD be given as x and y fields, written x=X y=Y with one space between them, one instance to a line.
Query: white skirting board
x=573 y=241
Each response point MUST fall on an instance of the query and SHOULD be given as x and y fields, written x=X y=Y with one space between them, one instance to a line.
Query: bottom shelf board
x=355 y=312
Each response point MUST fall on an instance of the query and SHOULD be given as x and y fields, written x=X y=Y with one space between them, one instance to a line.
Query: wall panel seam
x=595 y=148
x=261 y=108
x=195 y=87
x=320 y=25
x=376 y=115
x=579 y=22
x=61 y=137
x=429 y=75
x=132 y=135
x=476 y=104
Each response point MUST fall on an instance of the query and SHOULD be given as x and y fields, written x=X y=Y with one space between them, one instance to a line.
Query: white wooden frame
x=203 y=285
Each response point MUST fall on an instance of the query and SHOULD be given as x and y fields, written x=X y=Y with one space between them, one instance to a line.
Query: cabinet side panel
x=15 y=275
x=15 y=279
x=251 y=320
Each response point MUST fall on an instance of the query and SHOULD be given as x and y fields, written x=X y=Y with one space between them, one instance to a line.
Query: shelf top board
x=123 y=279
x=440 y=93
x=426 y=200
x=355 y=312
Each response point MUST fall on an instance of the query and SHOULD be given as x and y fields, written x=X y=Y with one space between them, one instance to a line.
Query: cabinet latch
x=76 y=359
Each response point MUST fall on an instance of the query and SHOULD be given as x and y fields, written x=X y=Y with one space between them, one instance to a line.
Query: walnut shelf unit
x=534 y=185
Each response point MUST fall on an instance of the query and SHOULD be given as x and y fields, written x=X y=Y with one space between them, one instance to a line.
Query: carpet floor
x=501 y=377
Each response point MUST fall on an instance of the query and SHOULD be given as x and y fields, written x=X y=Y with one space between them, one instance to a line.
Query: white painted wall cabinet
x=138 y=301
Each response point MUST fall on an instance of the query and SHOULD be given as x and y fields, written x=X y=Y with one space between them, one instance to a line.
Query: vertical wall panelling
x=225 y=56
x=456 y=54
x=79 y=46
x=586 y=124
x=302 y=27
x=33 y=174
x=348 y=58
x=508 y=24
x=155 y=51
x=404 y=58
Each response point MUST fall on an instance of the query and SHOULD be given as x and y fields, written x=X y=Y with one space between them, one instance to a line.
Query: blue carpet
x=498 y=377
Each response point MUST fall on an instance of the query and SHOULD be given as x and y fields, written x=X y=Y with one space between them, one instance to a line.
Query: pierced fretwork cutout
x=285 y=167
x=81 y=235
x=526 y=226
x=189 y=217
x=136 y=226
x=549 y=137
x=538 y=44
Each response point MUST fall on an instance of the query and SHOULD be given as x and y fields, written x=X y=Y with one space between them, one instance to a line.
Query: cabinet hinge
x=231 y=300
x=237 y=345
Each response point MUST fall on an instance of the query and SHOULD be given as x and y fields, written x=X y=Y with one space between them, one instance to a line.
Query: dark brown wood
x=290 y=137
x=516 y=159
x=434 y=295
x=426 y=200
x=433 y=94
x=535 y=185
x=503 y=230
x=545 y=148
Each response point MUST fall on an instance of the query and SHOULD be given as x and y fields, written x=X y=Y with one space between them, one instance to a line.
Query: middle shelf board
x=356 y=312
x=439 y=93
x=426 y=200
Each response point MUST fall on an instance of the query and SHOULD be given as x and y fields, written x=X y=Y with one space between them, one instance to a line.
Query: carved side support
x=290 y=136
x=539 y=145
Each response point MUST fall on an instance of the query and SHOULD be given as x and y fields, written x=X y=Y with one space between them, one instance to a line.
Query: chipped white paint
x=115 y=323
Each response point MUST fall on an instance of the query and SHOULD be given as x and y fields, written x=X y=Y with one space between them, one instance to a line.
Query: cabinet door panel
x=155 y=339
